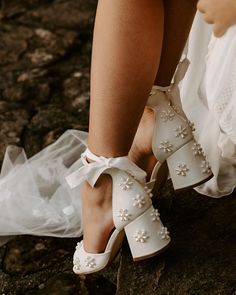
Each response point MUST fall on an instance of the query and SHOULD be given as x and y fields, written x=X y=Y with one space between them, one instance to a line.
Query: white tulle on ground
x=209 y=99
x=34 y=196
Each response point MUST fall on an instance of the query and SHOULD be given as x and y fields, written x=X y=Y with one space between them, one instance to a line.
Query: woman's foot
x=97 y=214
x=97 y=201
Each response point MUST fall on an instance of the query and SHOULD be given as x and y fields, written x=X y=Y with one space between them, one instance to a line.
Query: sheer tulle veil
x=34 y=196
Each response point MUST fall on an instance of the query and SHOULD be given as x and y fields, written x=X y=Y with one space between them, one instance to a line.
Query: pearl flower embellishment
x=164 y=233
x=126 y=183
x=141 y=236
x=197 y=149
x=90 y=262
x=139 y=201
x=181 y=132
x=76 y=263
x=149 y=191
x=206 y=168
x=124 y=215
x=174 y=107
x=78 y=246
x=155 y=215
x=166 y=146
x=182 y=169
x=191 y=125
x=167 y=115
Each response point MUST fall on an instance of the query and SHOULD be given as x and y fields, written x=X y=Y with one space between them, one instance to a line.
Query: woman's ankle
x=92 y=195
x=141 y=151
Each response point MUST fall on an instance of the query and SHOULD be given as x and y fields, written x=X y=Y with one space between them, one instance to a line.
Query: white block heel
x=188 y=167
x=146 y=235
x=131 y=209
x=173 y=140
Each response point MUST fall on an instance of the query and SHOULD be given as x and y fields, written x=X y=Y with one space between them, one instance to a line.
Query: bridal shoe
x=173 y=142
x=133 y=213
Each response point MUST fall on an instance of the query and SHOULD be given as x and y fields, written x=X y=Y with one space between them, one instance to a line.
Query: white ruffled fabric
x=34 y=196
x=209 y=99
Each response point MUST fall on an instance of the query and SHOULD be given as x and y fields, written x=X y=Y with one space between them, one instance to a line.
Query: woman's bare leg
x=179 y=16
x=126 y=53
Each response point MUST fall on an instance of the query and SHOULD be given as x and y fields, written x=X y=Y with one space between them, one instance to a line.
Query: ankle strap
x=87 y=154
x=92 y=171
x=181 y=70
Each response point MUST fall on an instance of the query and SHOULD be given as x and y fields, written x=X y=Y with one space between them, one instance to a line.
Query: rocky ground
x=44 y=90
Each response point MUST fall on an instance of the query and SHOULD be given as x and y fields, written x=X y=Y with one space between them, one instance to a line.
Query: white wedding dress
x=208 y=94
x=34 y=196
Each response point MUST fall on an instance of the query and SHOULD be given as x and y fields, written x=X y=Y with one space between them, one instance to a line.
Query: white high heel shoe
x=173 y=140
x=133 y=213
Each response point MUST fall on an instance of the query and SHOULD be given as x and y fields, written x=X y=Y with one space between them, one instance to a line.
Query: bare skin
x=123 y=81
x=126 y=53
x=179 y=16
x=220 y=13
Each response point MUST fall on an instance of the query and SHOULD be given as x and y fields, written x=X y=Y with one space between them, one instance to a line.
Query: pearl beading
x=155 y=215
x=90 y=262
x=139 y=201
x=206 y=167
x=197 y=149
x=76 y=263
x=167 y=115
x=141 y=236
x=166 y=146
x=126 y=183
x=182 y=169
x=181 y=131
x=164 y=233
x=124 y=215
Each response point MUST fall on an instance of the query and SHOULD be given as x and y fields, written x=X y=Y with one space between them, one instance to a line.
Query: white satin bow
x=92 y=171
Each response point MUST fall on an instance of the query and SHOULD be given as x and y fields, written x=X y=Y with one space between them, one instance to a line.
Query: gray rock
x=12 y=124
x=48 y=124
x=77 y=14
x=41 y=265
x=13 y=45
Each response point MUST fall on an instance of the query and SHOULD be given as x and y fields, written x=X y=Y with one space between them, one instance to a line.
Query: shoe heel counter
x=130 y=198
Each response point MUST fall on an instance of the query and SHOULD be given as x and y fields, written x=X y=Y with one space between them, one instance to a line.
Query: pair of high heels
x=133 y=212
